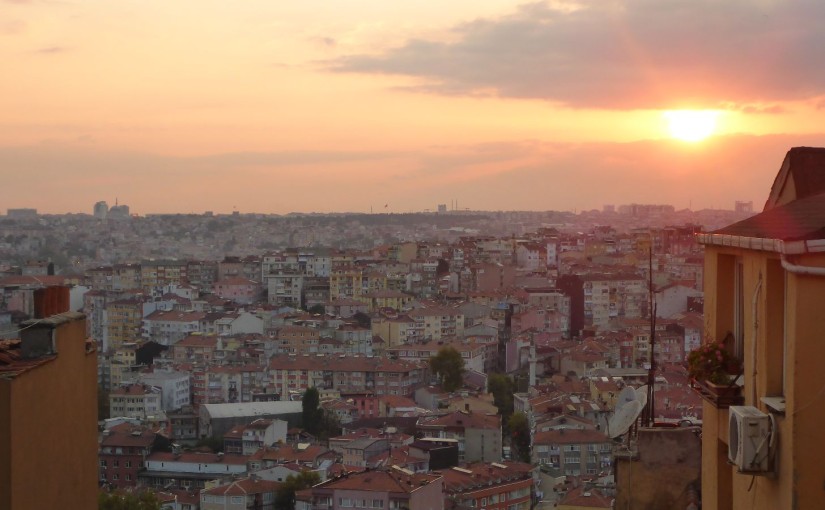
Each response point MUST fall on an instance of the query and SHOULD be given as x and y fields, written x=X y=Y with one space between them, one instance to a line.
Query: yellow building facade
x=765 y=293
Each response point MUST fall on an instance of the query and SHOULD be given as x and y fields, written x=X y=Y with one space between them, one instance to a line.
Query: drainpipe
x=754 y=309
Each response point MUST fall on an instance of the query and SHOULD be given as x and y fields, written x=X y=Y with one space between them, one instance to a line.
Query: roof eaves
x=763 y=244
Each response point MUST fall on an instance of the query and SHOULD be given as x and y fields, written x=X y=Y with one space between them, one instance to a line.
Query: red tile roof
x=580 y=497
x=289 y=454
x=127 y=434
x=11 y=361
x=243 y=487
x=487 y=475
x=392 y=480
x=462 y=419
x=132 y=389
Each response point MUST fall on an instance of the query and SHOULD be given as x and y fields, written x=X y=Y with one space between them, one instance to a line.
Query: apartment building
x=243 y=494
x=492 y=486
x=764 y=288
x=167 y=328
x=346 y=374
x=135 y=401
x=435 y=323
x=478 y=434
x=123 y=452
x=157 y=274
x=393 y=489
x=123 y=322
x=607 y=297
x=572 y=452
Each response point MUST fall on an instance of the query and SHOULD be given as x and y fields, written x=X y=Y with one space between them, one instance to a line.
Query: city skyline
x=333 y=107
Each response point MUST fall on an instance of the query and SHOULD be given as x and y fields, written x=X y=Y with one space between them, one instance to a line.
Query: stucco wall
x=666 y=473
x=50 y=412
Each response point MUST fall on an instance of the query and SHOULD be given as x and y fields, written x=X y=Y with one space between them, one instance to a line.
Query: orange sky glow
x=275 y=107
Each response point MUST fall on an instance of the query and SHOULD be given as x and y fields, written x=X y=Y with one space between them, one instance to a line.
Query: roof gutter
x=784 y=248
x=797 y=269
x=763 y=244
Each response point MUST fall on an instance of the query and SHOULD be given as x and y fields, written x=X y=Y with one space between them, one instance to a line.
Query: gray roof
x=252 y=409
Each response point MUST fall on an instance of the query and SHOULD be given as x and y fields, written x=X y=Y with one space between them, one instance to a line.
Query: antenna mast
x=650 y=410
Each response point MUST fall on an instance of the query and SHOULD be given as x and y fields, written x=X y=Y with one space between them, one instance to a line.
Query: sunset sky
x=275 y=106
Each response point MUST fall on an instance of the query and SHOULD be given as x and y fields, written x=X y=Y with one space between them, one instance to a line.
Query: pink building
x=238 y=289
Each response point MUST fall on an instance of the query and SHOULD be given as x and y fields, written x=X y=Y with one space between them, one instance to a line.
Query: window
x=102 y=463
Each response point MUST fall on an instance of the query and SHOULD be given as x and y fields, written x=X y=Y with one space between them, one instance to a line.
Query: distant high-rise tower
x=742 y=206
x=101 y=210
x=119 y=212
x=442 y=208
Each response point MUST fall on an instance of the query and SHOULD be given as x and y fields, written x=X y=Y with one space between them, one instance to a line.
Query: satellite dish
x=641 y=394
x=627 y=395
x=623 y=418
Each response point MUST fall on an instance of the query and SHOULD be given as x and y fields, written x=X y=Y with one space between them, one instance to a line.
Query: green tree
x=519 y=429
x=317 y=309
x=363 y=320
x=285 y=497
x=502 y=387
x=117 y=501
x=311 y=414
x=448 y=366
x=330 y=425
x=214 y=443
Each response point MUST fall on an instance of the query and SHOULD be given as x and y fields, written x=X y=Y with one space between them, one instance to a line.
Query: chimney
x=37 y=338
x=50 y=301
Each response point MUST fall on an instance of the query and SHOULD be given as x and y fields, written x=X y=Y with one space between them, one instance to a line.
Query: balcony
x=719 y=396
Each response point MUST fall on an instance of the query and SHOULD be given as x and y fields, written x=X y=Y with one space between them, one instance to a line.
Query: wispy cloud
x=623 y=55
x=51 y=50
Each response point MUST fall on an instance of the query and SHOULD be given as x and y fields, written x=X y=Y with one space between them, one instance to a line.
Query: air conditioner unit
x=750 y=439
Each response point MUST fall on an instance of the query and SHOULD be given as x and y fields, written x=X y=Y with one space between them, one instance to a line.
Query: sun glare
x=691 y=125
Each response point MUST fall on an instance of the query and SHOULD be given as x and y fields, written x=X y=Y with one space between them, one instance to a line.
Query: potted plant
x=712 y=365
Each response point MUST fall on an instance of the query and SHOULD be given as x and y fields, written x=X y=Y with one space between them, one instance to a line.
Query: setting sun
x=691 y=125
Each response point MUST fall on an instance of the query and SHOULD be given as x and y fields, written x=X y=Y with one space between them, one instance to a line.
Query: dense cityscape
x=449 y=359
x=372 y=255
